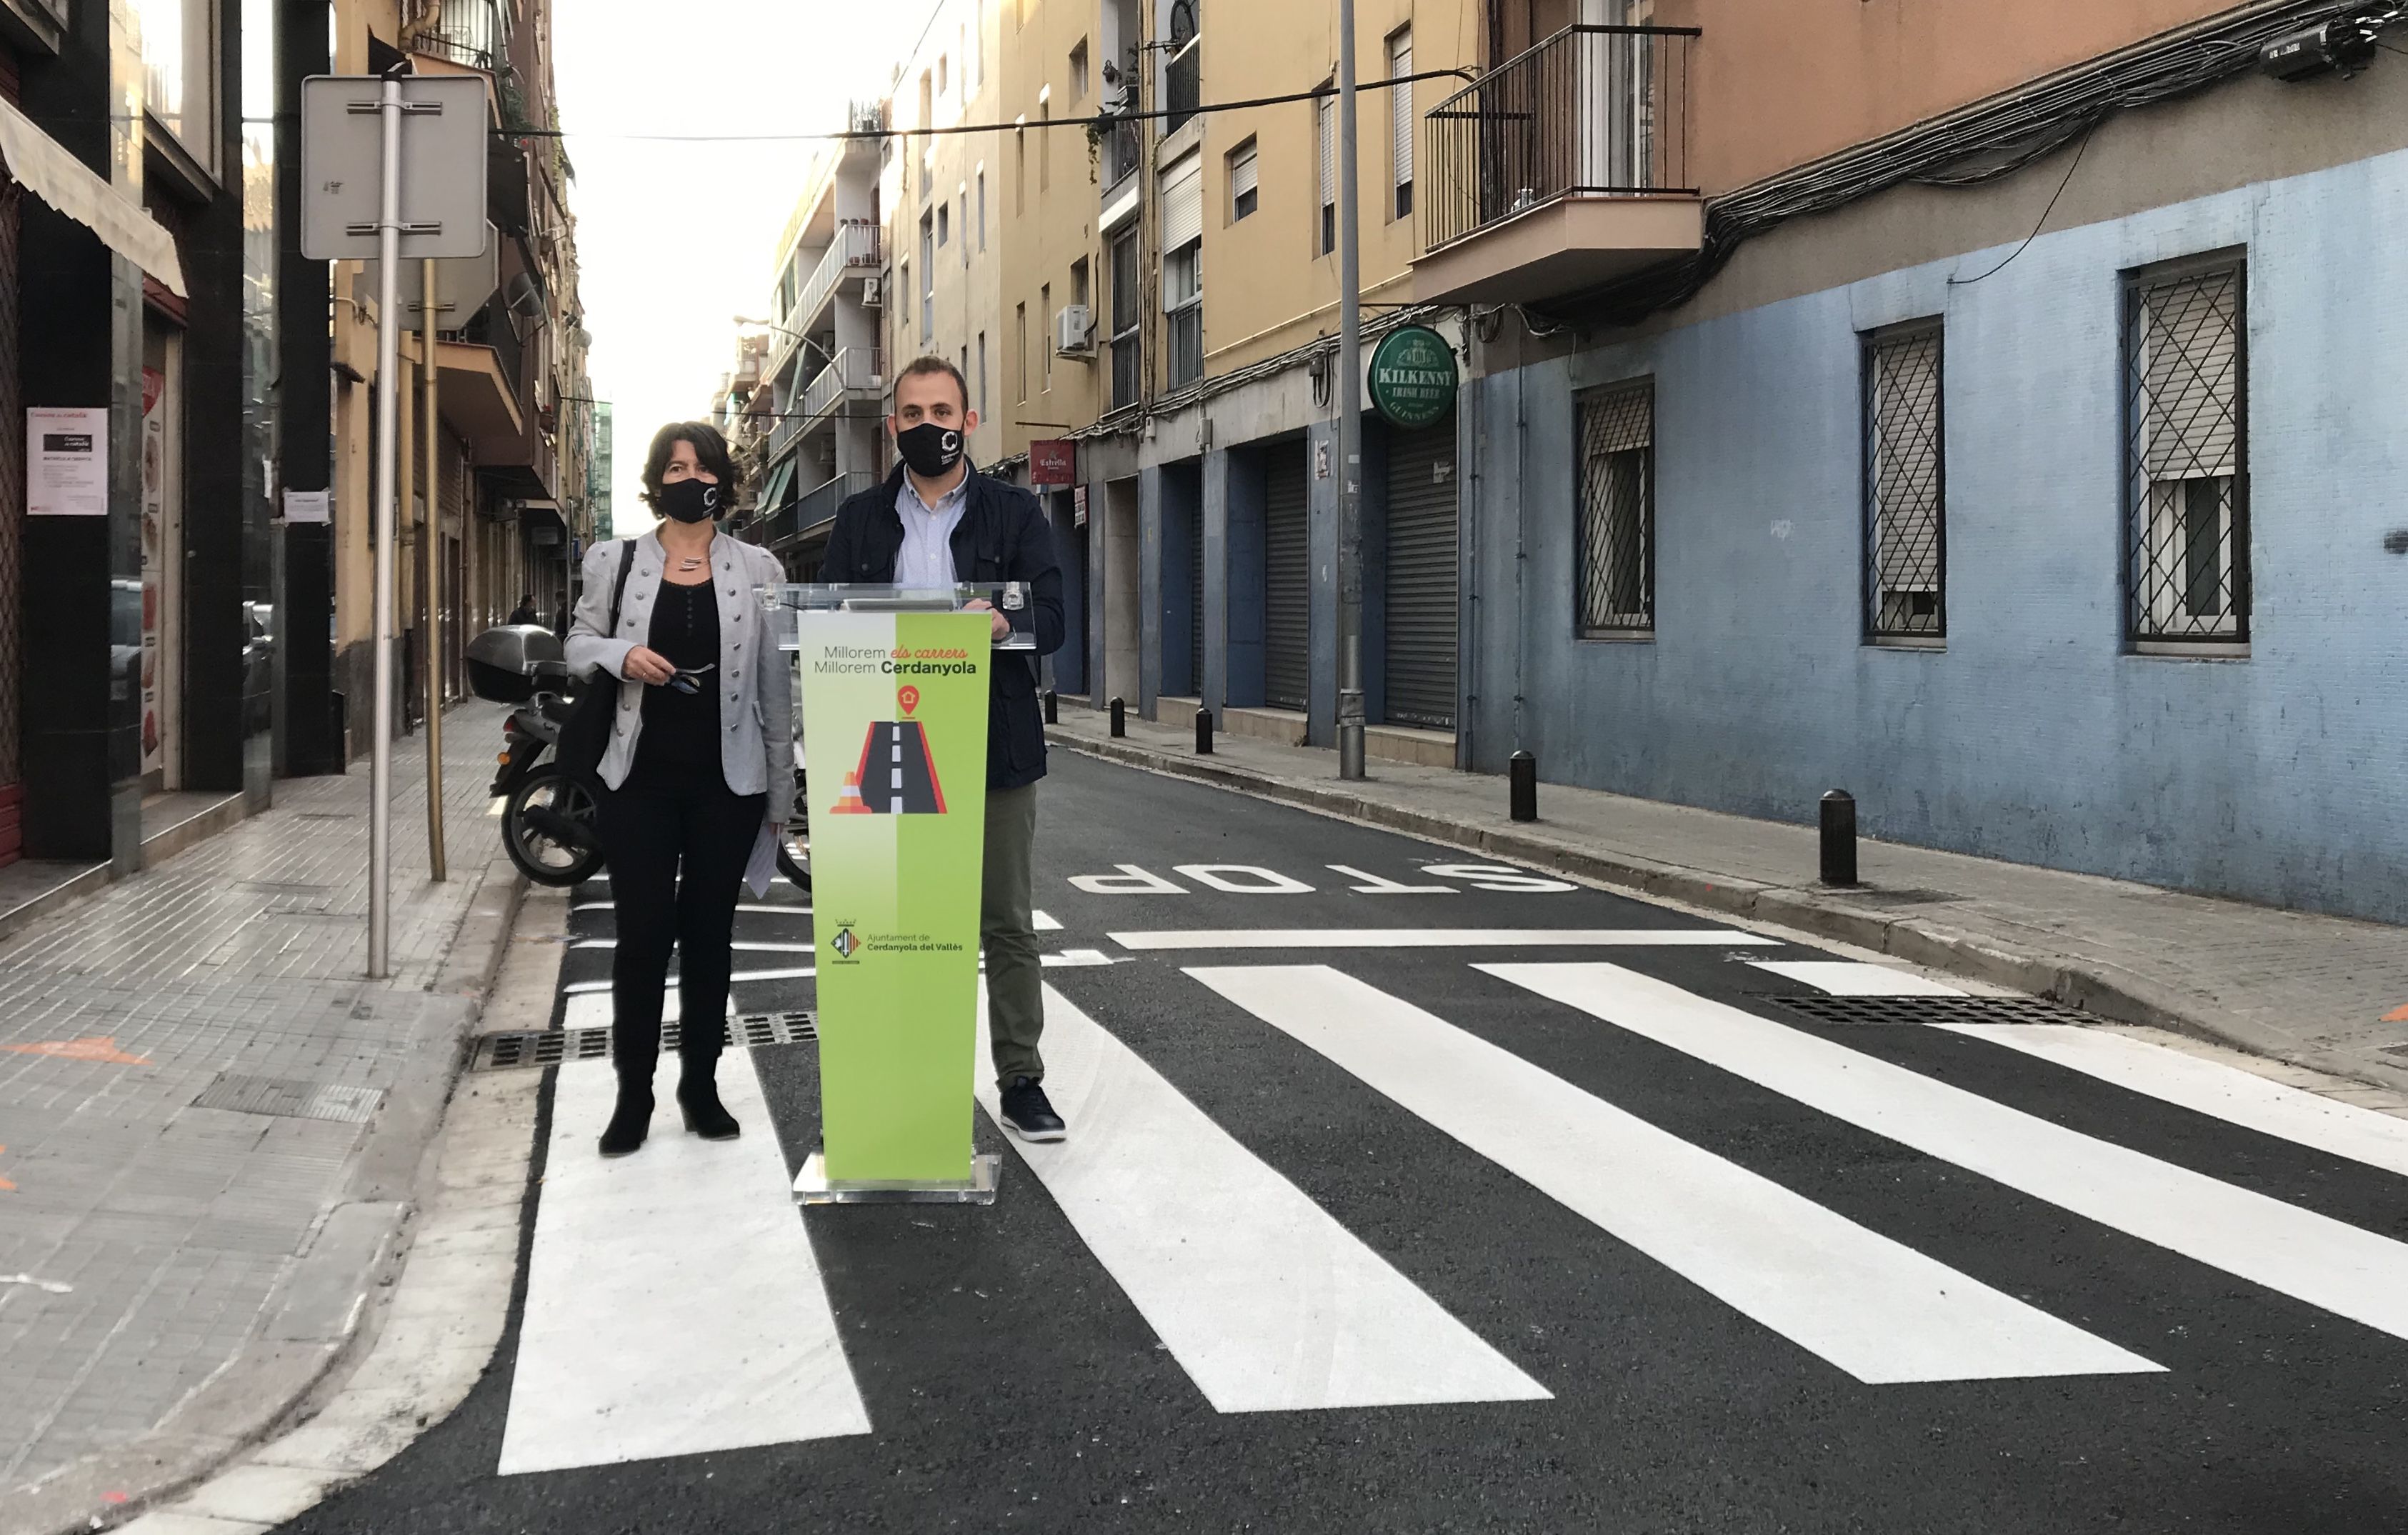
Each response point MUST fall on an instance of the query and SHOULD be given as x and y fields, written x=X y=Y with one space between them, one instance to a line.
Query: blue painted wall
x=2035 y=736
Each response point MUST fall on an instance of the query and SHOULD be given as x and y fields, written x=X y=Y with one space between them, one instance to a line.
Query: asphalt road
x=1702 y=1263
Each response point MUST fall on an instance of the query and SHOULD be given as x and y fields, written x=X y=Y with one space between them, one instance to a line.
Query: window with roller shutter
x=2187 y=370
x=1244 y=188
x=1324 y=129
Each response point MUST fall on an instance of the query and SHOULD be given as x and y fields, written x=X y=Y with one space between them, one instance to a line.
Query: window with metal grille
x=1183 y=302
x=1616 y=588
x=2186 y=374
x=1400 y=122
x=1127 y=370
x=1905 y=485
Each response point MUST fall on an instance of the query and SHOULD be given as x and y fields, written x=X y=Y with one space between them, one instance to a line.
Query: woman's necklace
x=684 y=565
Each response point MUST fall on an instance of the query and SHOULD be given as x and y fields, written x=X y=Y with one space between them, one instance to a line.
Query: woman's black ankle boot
x=631 y=1119
x=697 y=1094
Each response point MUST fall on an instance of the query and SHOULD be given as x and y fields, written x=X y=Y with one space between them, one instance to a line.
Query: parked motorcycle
x=551 y=816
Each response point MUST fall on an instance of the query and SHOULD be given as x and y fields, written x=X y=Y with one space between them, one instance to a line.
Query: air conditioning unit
x=869 y=295
x=1074 y=331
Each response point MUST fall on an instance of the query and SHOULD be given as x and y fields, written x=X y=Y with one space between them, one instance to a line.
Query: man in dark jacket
x=938 y=521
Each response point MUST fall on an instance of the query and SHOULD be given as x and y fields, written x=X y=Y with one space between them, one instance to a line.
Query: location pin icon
x=908 y=698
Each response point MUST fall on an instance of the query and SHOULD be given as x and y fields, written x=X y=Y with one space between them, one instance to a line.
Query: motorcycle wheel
x=547 y=854
x=795 y=845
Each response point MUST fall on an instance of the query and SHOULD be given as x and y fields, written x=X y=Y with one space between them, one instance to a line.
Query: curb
x=311 y=1326
x=2090 y=987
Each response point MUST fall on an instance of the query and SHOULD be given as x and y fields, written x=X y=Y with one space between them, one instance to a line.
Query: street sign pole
x=388 y=422
x=434 y=542
x=1350 y=418
x=356 y=186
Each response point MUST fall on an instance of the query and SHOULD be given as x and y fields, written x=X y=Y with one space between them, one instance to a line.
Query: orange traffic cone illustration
x=848 y=800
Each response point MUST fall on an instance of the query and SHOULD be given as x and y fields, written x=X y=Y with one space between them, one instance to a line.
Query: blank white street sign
x=442 y=167
x=462 y=285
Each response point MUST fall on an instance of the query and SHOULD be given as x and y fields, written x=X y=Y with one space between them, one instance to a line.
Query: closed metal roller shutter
x=1421 y=587
x=1287 y=579
x=1195 y=601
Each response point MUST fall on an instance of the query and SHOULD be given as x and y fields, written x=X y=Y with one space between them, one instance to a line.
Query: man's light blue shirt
x=927 y=557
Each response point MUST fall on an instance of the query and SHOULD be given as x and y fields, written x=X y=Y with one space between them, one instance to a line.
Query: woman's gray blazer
x=757 y=745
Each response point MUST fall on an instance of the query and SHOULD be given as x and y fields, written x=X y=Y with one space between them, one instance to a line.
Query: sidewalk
x=211 y=1128
x=2309 y=990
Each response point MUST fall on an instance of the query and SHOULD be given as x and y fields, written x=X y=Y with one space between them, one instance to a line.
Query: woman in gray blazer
x=701 y=762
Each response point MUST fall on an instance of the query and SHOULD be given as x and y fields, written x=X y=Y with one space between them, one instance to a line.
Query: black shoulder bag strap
x=586 y=733
x=626 y=563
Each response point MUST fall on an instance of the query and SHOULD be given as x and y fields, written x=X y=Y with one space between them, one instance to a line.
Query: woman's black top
x=680 y=744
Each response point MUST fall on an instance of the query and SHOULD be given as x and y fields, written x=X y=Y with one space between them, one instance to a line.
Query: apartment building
x=511 y=506
x=814 y=436
x=1965 y=407
x=1970 y=408
x=136 y=371
x=1155 y=360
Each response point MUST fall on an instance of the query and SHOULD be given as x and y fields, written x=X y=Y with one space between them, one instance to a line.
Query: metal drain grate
x=543 y=1047
x=1929 y=1010
x=287 y=1098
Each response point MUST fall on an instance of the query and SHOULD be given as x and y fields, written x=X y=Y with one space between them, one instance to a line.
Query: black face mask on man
x=929 y=449
x=689 y=500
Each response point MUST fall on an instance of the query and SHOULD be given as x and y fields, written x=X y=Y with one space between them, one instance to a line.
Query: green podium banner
x=894 y=725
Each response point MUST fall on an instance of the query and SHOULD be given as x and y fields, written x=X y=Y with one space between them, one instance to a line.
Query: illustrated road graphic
x=897 y=776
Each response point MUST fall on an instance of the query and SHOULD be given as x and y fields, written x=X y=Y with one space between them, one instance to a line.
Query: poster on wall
x=154 y=514
x=66 y=461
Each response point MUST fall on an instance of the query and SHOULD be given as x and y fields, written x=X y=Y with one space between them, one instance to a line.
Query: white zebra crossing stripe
x=592 y=1009
x=1871 y=1306
x=1067 y=959
x=673 y=1305
x=1849 y=978
x=2299 y=1253
x=1439 y=937
x=2209 y=1087
x=1265 y=1300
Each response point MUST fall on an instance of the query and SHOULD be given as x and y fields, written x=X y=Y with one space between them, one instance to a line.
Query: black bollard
x=1120 y=718
x=1203 y=732
x=1522 y=781
x=1053 y=706
x=1838 y=838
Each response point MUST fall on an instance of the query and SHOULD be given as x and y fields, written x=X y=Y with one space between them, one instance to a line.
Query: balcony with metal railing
x=1562 y=167
x=473 y=33
x=853 y=370
x=852 y=254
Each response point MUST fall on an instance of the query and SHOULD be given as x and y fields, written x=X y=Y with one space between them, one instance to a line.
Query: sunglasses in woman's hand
x=689 y=681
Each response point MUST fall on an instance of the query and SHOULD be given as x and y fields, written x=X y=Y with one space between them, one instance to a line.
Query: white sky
x=673 y=238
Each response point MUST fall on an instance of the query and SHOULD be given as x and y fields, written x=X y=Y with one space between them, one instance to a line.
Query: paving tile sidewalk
x=2309 y=990
x=211 y=1126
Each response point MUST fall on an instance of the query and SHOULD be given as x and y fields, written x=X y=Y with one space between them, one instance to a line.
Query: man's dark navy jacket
x=1003 y=537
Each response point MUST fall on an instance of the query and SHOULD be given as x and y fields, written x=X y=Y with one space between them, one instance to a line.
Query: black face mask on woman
x=689 y=500
x=930 y=450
